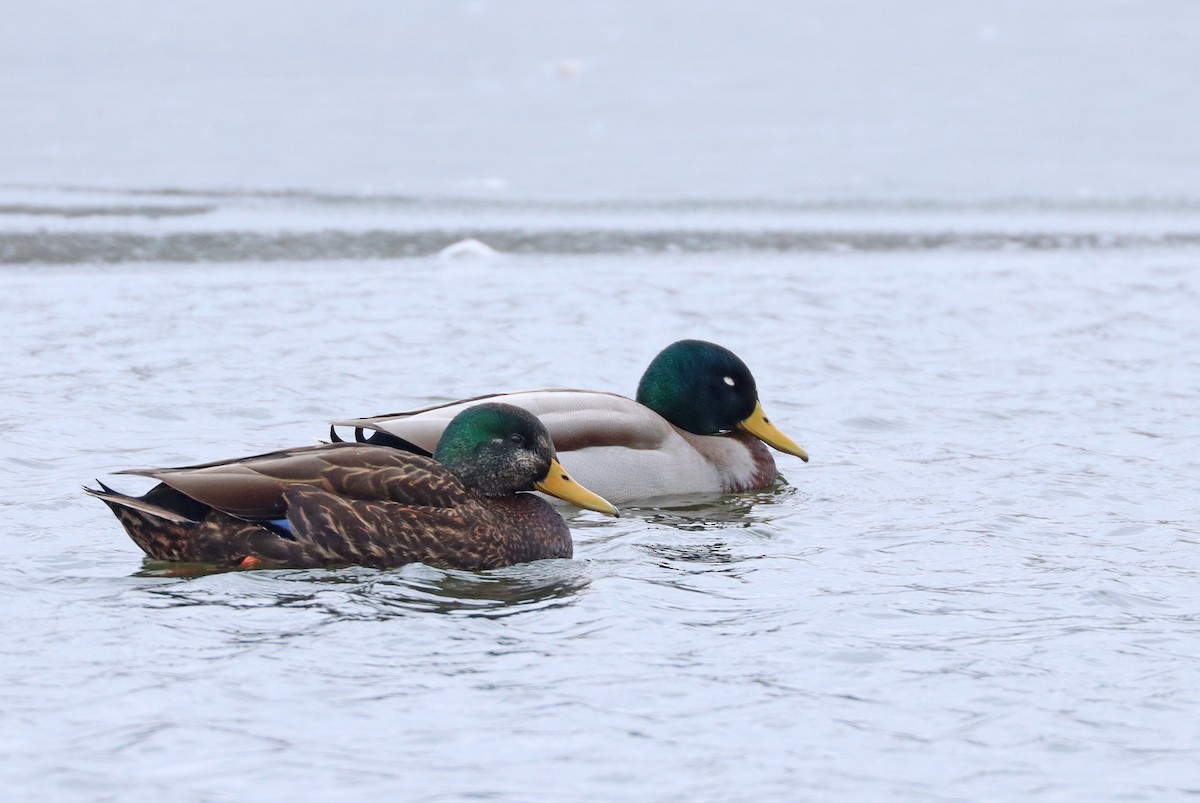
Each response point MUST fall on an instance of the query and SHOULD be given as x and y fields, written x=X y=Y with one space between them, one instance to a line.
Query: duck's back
x=609 y=443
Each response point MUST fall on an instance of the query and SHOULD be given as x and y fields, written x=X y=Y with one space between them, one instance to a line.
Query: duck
x=339 y=504
x=695 y=426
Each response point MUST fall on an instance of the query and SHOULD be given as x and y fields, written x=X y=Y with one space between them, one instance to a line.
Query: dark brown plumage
x=345 y=503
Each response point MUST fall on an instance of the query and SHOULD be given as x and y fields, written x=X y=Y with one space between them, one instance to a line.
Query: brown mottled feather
x=346 y=504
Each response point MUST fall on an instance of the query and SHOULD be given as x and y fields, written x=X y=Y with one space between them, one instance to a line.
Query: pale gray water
x=956 y=242
x=983 y=586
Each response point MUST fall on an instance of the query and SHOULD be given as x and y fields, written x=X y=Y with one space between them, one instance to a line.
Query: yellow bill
x=557 y=483
x=761 y=427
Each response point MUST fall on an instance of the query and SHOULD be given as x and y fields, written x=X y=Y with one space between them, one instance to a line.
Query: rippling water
x=984 y=585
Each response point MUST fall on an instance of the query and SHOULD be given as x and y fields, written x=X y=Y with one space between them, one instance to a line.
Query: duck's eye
x=729 y=381
x=517 y=438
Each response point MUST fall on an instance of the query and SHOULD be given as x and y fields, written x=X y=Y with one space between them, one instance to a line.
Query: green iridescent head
x=699 y=386
x=498 y=449
x=706 y=389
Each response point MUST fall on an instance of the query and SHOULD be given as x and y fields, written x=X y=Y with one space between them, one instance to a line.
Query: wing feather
x=253 y=488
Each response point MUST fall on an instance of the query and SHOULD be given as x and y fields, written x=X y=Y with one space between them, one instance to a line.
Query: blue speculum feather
x=284 y=525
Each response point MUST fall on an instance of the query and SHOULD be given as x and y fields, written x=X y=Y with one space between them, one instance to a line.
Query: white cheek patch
x=729 y=381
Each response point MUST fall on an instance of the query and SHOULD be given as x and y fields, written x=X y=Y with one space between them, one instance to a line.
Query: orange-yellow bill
x=557 y=483
x=761 y=427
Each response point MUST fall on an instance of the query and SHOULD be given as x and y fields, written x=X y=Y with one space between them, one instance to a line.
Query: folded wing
x=254 y=488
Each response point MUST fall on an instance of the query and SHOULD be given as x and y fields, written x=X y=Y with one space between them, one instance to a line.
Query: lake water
x=984 y=585
x=958 y=245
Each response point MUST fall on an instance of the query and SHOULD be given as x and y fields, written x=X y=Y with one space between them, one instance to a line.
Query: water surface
x=984 y=585
x=956 y=242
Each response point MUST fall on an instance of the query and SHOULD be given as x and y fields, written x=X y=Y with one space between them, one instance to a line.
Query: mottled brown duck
x=351 y=503
x=696 y=426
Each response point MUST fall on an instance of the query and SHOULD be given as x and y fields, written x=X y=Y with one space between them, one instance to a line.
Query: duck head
x=498 y=449
x=706 y=389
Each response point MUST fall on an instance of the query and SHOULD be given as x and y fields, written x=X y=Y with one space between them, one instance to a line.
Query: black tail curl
x=379 y=439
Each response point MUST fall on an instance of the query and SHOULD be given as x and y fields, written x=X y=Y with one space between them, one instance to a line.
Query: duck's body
x=604 y=441
x=695 y=427
x=340 y=504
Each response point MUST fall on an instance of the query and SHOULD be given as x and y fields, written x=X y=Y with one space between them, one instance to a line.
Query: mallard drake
x=351 y=503
x=696 y=426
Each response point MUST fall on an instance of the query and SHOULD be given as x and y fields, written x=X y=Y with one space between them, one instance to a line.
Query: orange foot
x=249 y=562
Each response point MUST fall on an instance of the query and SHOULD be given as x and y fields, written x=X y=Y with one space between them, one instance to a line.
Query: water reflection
x=718 y=512
x=361 y=593
x=700 y=529
x=717 y=552
x=501 y=592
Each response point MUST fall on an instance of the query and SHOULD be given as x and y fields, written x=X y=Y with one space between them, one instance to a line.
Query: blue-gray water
x=957 y=244
x=983 y=586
